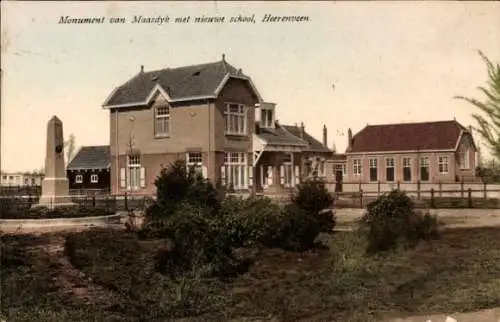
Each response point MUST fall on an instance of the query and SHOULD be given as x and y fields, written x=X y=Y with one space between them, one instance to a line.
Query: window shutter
x=204 y=172
x=269 y=176
x=282 y=174
x=223 y=175
x=123 y=182
x=143 y=177
x=297 y=174
x=250 y=175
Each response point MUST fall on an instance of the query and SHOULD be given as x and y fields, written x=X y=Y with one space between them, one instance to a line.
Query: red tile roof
x=442 y=135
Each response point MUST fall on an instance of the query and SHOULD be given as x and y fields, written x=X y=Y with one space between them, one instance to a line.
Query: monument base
x=52 y=202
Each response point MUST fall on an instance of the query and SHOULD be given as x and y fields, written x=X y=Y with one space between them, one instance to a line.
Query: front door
x=338 y=180
x=288 y=176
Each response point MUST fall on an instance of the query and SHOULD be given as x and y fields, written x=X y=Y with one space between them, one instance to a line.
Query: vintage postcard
x=250 y=161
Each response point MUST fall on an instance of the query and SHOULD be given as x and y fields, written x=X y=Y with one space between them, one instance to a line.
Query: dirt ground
x=345 y=218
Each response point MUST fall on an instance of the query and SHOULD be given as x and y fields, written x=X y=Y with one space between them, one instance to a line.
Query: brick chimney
x=325 y=136
x=349 y=139
x=302 y=130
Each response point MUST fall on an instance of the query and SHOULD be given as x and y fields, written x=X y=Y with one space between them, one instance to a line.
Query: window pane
x=407 y=174
x=373 y=174
x=389 y=173
x=424 y=173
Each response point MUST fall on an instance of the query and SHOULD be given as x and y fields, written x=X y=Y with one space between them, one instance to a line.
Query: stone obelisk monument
x=55 y=185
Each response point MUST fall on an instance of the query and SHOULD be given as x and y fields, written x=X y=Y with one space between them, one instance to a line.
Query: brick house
x=427 y=152
x=212 y=116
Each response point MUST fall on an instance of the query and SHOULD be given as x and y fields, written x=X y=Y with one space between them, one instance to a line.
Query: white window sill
x=235 y=134
x=162 y=136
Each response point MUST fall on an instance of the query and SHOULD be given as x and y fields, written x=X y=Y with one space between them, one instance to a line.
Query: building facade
x=429 y=152
x=210 y=115
x=89 y=170
x=21 y=179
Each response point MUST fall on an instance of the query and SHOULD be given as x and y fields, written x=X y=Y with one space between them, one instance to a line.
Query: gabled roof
x=278 y=136
x=203 y=81
x=313 y=144
x=441 y=135
x=91 y=158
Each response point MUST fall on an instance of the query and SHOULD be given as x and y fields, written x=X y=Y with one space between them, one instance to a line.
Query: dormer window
x=267 y=117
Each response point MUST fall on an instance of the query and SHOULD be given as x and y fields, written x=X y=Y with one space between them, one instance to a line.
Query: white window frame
x=79 y=178
x=162 y=116
x=424 y=163
x=407 y=164
x=443 y=164
x=133 y=172
x=357 y=169
x=341 y=167
x=195 y=160
x=94 y=178
x=390 y=164
x=236 y=170
x=267 y=122
x=239 y=118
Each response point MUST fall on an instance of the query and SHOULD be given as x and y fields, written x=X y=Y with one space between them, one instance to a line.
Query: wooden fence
x=420 y=189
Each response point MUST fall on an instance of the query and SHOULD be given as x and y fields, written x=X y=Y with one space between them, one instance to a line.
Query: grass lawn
x=460 y=272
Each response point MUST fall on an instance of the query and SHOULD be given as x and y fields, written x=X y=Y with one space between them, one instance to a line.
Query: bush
x=392 y=220
x=305 y=217
x=250 y=221
x=177 y=184
x=200 y=240
x=313 y=197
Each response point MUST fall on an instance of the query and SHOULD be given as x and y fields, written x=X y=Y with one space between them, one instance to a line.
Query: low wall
x=9 y=224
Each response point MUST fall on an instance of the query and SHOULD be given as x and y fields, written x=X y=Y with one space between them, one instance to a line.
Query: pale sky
x=389 y=61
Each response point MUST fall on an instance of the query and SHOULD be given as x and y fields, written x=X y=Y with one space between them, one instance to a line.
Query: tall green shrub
x=308 y=215
x=392 y=220
x=177 y=184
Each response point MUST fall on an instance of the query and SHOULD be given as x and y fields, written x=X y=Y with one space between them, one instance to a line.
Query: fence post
x=462 y=188
x=93 y=200
x=485 y=191
x=359 y=186
x=361 y=198
x=378 y=188
x=114 y=204
x=469 y=192
x=432 y=205
x=440 y=189
x=399 y=185
x=125 y=202
x=418 y=189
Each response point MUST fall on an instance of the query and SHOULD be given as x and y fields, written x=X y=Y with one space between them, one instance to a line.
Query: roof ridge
x=411 y=123
x=202 y=65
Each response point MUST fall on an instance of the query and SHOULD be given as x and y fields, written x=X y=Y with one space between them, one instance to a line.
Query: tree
x=488 y=118
x=70 y=148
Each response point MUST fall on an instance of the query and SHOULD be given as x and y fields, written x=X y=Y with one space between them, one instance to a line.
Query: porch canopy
x=275 y=140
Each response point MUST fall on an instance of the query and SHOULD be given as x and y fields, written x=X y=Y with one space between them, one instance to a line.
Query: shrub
x=299 y=229
x=176 y=184
x=250 y=221
x=199 y=239
x=392 y=220
x=313 y=197
x=305 y=217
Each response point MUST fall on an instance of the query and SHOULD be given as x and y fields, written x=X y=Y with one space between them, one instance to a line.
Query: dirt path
x=72 y=282
x=491 y=315
x=453 y=218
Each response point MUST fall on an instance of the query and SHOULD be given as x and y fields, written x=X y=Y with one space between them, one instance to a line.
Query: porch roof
x=278 y=136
